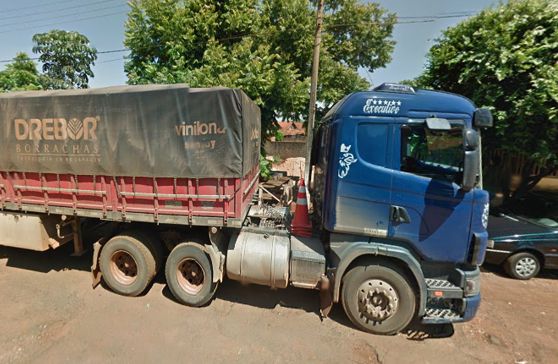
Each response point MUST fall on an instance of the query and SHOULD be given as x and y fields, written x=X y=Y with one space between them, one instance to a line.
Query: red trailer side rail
x=186 y=201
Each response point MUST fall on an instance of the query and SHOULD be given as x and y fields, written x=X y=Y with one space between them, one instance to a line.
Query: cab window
x=372 y=141
x=436 y=154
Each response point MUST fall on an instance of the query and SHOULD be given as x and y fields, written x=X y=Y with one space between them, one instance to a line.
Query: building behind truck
x=171 y=173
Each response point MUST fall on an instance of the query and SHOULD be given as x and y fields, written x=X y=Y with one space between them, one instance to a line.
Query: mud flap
x=95 y=270
x=326 y=297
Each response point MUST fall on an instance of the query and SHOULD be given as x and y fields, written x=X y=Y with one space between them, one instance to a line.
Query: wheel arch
x=377 y=251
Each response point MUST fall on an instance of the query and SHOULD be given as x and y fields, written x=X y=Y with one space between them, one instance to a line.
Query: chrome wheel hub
x=377 y=300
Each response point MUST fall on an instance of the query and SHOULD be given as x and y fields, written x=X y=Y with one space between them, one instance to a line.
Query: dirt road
x=49 y=314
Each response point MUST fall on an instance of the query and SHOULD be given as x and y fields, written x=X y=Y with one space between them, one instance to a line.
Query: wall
x=286 y=149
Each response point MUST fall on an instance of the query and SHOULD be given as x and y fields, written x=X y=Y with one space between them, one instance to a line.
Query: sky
x=102 y=21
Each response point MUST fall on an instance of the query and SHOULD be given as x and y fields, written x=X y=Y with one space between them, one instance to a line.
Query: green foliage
x=20 y=75
x=506 y=58
x=279 y=136
x=265 y=168
x=67 y=58
x=261 y=46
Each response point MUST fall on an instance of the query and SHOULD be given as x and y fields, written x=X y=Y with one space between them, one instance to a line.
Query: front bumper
x=468 y=309
x=471 y=305
x=458 y=305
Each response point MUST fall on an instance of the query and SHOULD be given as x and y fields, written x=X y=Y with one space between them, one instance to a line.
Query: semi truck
x=166 y=177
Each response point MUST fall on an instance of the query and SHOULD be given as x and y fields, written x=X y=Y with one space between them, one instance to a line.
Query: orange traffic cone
x=301 y=225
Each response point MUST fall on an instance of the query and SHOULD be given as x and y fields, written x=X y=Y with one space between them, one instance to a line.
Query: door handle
x=400 y=215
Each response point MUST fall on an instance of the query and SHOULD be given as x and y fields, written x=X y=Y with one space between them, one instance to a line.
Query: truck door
x=429 y=210
x=360 y=177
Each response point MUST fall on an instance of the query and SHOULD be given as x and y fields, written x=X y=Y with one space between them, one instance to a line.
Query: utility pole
x=313 y=88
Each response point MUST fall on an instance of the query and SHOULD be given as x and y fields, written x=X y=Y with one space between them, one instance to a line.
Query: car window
x=545 y=221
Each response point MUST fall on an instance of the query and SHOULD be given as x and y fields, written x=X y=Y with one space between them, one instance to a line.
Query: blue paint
x=444 y=219
x=471 y=307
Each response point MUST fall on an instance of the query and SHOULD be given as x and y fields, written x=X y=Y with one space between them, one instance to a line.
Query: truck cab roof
x=402 y=101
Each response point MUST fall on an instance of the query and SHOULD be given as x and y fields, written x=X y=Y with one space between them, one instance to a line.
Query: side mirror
x=482 y=118
x=471 y=162
x=471 y=167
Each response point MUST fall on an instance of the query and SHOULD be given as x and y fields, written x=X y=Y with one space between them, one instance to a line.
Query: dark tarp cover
x=151 y=131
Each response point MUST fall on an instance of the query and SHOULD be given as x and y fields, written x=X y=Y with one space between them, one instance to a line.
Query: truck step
x=439 y=283
x=440 y=315
x=441 y=288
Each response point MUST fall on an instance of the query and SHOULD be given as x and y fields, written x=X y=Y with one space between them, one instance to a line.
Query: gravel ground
x=50 y=314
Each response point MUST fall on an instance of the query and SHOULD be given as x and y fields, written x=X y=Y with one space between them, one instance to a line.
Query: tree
x=261 y=46
x=67 y=58
x=506 y=58
x=20 y=75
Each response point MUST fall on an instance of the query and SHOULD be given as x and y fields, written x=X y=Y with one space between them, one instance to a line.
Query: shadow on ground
x=264 y=297
x=44 y=262
x=416 y=331
x=232 y=291
x=309 y=301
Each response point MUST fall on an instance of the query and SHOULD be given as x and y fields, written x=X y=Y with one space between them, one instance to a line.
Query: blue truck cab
x=395 y=191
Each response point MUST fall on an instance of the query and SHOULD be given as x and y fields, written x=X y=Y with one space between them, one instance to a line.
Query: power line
x=415 y=21
x=64 y=22
x=463 y=15
x=12 y=10
x=114 y=51
x=112 y=60
x=100 y=52
x=218 y=40
x=420 y=19
x=398 y=22
x=459 y=12
x=81 y=6
x=63 y=17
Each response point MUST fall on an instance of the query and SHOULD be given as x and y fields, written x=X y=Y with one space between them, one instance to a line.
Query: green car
x=522 y=245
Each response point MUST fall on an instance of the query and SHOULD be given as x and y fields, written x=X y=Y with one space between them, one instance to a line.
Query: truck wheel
x=127 y=264
x=189 y=275
x=378 y=298
x=522 y=265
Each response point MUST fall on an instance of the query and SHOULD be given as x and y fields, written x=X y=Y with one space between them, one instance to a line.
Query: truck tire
x=189 y=275
x=127 y=264
x=152 y=241
x=378 y=298
x=523 y=265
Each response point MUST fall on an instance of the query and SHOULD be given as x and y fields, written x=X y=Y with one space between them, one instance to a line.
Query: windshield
x=436 y=154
